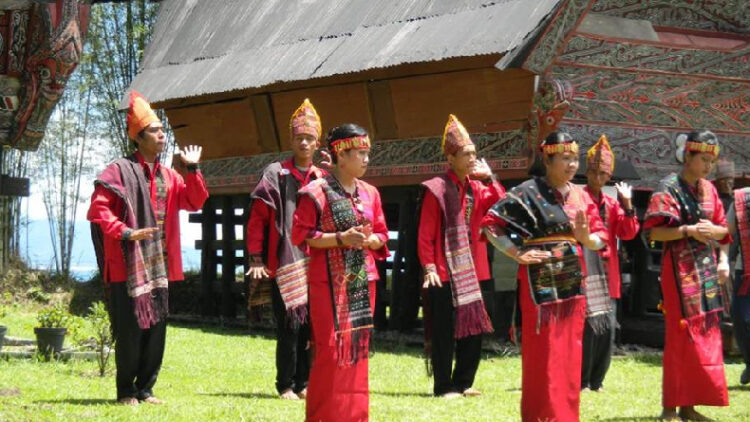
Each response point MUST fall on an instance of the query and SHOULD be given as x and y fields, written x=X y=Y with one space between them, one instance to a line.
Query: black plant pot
x=49 y=341
x=3 y=330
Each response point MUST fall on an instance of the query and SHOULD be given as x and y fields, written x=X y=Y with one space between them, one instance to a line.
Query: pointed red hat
x=305 y=120
x=600 y=156
x=140 y=114
x=455 y=136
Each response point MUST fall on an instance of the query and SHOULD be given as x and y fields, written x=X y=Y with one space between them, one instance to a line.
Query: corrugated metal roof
x=201 y=47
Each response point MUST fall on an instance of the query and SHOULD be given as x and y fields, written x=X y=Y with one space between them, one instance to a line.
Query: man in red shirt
x=603 y=282
x=454 y=259
x=272 y=254
x=135 y=226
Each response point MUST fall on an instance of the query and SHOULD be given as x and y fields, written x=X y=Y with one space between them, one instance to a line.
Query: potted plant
x=3 y=329
x=50 y=334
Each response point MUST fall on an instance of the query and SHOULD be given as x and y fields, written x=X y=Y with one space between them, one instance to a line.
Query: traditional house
x=229 y=74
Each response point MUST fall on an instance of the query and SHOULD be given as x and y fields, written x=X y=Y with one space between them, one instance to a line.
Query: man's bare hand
x=257 y=271
x=191 y=154
x=431 y=278
x=142 y=234
x=533 y=256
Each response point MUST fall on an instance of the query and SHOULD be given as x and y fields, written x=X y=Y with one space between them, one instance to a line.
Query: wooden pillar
x=244 y=204
x=208 y=256
x=406 y=279
x=228 y=308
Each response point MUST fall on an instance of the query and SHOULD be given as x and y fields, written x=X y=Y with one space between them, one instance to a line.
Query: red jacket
x=431 y=240
x=619 y=225
x=188 y=194
x=261 y=227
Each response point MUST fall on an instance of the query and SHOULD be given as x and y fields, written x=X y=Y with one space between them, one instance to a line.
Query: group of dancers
x=314 y=234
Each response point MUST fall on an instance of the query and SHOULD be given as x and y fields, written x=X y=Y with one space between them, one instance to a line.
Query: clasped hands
x=361 y=237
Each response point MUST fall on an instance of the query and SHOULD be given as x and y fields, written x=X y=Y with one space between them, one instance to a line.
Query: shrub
x=99 y=320
x=56 y=317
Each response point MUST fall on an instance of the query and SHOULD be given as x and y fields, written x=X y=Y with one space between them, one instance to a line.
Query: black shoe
x=745 y=377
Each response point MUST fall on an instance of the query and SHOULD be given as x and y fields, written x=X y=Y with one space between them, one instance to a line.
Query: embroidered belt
x=550 y=239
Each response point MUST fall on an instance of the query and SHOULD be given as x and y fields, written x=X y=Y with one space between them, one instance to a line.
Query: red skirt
x=693 y=368
x=551 y=355
x=334 y=393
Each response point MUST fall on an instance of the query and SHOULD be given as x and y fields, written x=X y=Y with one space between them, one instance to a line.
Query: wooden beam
x=263 y=110
x=228 y=309
x=208 y=260
x=382 y=114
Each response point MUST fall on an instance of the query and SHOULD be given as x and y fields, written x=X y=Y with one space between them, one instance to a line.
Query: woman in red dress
x=556 y=221
x=685 y=213
x=340 y=220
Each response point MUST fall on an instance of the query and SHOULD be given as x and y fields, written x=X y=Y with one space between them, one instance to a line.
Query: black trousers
x=468 y=350
x=138 y=352
x=292 y=352
x=597 y=352
x=741 y=320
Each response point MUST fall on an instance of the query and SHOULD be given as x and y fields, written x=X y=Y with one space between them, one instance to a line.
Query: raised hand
x=481 y=170
x=624 y=189
x=326 y=162
x=581 y=228
x=191 y=154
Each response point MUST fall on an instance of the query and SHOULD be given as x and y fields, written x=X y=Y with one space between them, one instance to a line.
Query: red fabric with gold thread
x=305 y=120
x=600 y=157
x=455 y=136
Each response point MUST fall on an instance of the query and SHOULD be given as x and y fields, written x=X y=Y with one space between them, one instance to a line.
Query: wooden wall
x=223 y=129
x=485 y=100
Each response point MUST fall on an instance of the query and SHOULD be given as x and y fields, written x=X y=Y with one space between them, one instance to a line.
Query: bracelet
x=126 y=234
x=192 y=168
x=684 y=231
x=339 y=240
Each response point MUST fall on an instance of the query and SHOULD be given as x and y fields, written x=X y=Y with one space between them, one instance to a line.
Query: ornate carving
x=711 y=15
x=582 y=50
x=57 y=44
x=549 y=105
x=651 y=151
x=553 y=39
x=4 y=32
x=19 y=21
x=503 y=151
x=9 y=87
x=657 y=99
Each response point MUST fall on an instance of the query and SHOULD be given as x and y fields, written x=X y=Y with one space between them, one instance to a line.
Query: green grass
x=210 y=374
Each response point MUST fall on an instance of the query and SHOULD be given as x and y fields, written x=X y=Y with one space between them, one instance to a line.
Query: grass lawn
x=211 y=374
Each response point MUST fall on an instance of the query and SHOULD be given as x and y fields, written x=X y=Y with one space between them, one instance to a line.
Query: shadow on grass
x=226 y=330
x=653 y=359
x=632 y=418
x=265 y=396
x=80 y=402
x=398 y=394
x=739 y=387
x=393 y=348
